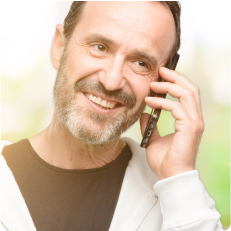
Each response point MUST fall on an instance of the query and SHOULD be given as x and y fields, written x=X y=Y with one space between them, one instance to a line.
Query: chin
x=91 y=132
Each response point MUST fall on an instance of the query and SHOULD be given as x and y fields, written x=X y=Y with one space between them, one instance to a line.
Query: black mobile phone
x=155 y=114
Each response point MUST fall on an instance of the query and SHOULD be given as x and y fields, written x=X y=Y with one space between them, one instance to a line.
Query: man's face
x=107 y=66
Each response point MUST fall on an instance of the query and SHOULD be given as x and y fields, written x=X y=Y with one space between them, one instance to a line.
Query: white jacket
x=178 y=203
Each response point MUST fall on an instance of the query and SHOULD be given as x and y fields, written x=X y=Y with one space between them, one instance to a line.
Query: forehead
x=131 y=23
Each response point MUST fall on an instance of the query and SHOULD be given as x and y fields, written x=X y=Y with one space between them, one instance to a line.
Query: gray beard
x=72 y=116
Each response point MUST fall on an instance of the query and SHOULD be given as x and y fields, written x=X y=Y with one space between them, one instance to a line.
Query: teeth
x=104 y=103
x=94 y=99
x=112 y=105
x=99 y=101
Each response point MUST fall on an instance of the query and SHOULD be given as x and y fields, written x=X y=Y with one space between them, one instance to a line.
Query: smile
x=101 y=102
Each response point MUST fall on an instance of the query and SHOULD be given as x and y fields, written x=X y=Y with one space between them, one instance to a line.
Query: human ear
x=57 y=46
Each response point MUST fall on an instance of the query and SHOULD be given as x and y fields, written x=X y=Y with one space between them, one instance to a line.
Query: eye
x=142 y=64
x=139 y=66
x=100 y=48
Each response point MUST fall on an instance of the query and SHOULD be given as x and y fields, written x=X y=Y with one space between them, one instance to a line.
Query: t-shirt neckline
x=75 y=171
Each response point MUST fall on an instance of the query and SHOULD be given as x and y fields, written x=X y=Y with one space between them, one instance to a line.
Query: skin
x=119 y=65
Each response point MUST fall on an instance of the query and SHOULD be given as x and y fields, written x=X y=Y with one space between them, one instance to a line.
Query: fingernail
x=148 y=98
x=164 y=69
x=155 y=82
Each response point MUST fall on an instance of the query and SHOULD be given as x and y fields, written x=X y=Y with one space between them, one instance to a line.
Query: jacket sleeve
x=186 y=205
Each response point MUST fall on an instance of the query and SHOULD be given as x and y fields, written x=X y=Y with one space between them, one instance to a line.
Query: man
x=78 y=174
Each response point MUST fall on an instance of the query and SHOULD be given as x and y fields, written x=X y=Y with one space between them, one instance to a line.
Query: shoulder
x=4 y=143
x=3 y=165
x=139 y=163
x=11 y=153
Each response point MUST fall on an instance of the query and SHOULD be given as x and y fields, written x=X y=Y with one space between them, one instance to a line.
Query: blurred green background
x=27 y=78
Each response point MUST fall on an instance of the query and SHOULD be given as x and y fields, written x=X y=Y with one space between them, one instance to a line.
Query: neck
x=57 y=146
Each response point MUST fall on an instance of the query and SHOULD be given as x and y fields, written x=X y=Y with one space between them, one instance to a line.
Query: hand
x=175 y=153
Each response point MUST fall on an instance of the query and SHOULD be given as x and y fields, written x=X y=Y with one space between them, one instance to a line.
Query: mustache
x=119 y=95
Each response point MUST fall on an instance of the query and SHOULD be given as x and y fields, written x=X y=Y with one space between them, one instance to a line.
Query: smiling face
x=105 y=72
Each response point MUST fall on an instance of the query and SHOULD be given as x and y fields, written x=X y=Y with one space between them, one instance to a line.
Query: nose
x=112 y=76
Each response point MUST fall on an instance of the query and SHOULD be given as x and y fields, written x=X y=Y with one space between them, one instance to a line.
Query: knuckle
x=196 y=90
x=197 y=127
x=202 y=127
x=194 y=127
x=190 y=92
x=178 y=104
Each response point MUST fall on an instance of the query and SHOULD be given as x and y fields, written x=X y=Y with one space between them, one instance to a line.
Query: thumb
x=143 y=123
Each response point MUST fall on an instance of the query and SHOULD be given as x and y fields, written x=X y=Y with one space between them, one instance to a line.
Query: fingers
x=187 y=111
x=178 y=79
x=186 y=96
x=176 y=108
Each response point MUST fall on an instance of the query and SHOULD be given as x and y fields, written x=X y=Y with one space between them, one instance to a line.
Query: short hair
x=76 y=10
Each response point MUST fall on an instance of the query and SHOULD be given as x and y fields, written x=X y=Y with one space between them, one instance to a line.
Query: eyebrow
x=99 y=37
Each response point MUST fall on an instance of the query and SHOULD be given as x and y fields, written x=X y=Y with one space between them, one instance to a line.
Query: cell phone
x=155 y=114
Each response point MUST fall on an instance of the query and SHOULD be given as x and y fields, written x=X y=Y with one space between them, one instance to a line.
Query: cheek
x=141 y=88
x=142 y=91
x=81 y=65
x=140 y=85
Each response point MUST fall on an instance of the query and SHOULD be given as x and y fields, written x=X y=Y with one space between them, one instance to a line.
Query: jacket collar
x=136 y=196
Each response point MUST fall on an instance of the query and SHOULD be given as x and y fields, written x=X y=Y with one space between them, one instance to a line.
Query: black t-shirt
x=63 y=199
